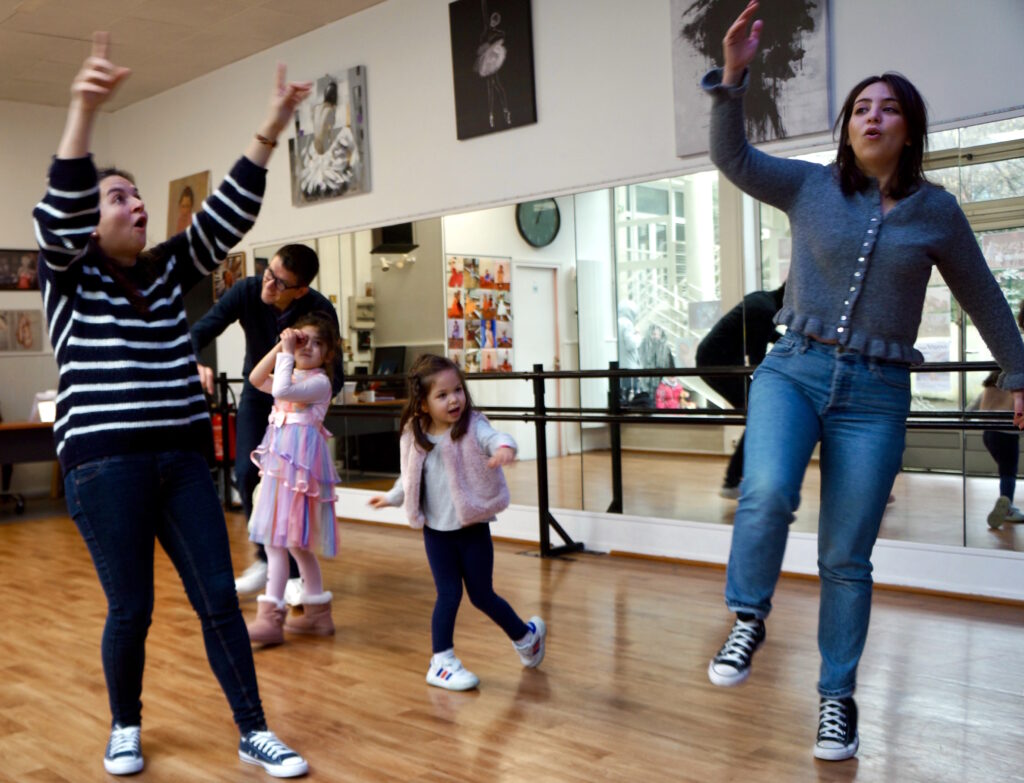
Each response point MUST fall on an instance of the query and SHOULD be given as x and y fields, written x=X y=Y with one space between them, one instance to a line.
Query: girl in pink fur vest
x=452 y=486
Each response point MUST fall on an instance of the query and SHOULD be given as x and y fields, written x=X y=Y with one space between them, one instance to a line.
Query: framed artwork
x=21 y=331
x=330 y=155
x=227 y=274
x=788 y=91
x=19 y=270
x=478 y=312
x=492 y=65
x=184 y=197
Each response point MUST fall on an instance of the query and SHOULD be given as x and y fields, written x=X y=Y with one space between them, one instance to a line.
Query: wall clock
x=538 y=221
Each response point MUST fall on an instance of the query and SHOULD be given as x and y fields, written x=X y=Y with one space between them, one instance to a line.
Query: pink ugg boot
x=268 y=628
x=315 y=617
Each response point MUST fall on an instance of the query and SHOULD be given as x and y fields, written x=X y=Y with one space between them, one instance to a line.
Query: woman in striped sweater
x=132 y=422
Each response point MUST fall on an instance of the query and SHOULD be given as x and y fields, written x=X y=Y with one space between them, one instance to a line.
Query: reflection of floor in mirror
x=929 y=507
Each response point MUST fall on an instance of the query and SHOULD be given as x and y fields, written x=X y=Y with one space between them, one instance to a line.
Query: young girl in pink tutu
x=295 y=509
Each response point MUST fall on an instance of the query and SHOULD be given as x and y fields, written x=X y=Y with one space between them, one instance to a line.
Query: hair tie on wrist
x=264 y=140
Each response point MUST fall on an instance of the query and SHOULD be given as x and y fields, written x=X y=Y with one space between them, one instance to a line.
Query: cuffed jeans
x=805 y=392
x=121 y=505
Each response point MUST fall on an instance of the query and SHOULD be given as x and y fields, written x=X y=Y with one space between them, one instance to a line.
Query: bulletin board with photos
x=478 y=306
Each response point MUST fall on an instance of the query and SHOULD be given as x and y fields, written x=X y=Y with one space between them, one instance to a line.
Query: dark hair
x=331 y=93
x=328 y=330
x=420 y=379
x=910 y=169
x=300 y=260
x=1020 y=315
x=113 y=171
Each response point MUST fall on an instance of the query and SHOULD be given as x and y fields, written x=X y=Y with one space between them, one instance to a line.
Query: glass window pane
x=985 y=181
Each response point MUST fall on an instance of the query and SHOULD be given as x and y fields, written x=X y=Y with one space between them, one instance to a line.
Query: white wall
x=604 y=103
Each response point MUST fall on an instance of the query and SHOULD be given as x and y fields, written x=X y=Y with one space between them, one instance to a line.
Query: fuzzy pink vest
x=478 y=492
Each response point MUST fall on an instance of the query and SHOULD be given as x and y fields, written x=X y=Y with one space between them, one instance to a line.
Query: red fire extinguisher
x=218 y=436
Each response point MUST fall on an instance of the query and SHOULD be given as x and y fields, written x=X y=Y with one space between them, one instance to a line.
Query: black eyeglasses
x=280 y=284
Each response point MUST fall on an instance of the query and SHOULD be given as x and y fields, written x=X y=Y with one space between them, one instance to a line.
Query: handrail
x=616 y=415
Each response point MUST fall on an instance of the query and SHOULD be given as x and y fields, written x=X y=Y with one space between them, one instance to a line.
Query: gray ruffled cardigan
x=857 y=277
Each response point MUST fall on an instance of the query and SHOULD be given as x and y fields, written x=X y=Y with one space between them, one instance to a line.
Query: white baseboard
x=960 y=570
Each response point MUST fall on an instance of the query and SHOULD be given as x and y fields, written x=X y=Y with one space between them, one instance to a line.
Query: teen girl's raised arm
x=231 y=210
x=69 y=212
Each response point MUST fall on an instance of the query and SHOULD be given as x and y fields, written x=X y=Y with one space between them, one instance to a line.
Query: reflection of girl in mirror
x=490 y=56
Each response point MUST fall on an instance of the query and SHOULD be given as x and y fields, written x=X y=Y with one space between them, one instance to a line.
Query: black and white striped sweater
x=128 y=379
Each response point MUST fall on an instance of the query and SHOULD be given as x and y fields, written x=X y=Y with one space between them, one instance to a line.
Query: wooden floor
x=621 y=696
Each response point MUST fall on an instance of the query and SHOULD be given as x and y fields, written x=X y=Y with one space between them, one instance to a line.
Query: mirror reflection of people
x=868 y=232
x=132 y=424
x=654 y=352
x=1003 y=446
x=744 y=333
x=629 y=350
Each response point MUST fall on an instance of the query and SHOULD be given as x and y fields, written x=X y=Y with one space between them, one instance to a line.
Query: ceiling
x=164 y=42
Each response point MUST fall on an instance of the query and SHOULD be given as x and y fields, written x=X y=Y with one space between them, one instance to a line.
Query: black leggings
x=1005 y=450
x=466 y=555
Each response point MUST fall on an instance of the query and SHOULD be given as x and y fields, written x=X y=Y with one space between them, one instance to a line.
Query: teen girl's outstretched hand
x=739 y=46
x=93 y=85
x=502 y=456
x=378 y=501
x=1018 y=409
x=285 y=98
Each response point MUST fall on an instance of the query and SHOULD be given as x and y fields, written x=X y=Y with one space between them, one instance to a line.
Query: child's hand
x=291 y=339
x=502 y=456
x=378 y=501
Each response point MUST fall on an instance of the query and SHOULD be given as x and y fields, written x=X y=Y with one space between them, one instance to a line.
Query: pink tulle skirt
x=295 y=507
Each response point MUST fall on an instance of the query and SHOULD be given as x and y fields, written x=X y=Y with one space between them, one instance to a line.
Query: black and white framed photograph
x=492 y=65
x=788 y=91
x=330 y=155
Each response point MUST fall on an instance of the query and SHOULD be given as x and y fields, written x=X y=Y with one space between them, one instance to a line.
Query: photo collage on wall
x=478 y=306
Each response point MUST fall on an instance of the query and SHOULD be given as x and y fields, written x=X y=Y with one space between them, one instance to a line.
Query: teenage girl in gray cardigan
x=867 y=231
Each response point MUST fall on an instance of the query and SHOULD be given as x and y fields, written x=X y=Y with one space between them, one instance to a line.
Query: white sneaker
x=999 y=513
x=293 y=592
x=253 y=579
x=124 y=751
x=531 y=651
x=1014 y=514
x=448 y=672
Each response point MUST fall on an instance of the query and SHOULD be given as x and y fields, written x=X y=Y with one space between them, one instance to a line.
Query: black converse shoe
x=266 y=750
x=124 y=751
x=732 y=664
x=837 y=729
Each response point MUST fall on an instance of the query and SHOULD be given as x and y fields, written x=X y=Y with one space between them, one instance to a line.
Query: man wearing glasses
x=264 y=307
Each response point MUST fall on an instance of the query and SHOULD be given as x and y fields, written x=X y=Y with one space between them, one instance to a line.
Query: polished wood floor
x=621 y=696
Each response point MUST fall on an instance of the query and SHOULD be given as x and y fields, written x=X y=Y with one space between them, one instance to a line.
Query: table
x=25 y=441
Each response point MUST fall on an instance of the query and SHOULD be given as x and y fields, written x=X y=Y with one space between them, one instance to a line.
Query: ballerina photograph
x=329 y=154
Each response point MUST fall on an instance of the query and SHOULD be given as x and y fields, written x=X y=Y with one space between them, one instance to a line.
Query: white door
x=535 y=341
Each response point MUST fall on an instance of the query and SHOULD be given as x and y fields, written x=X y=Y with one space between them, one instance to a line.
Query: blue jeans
x=1005 y=450
x=465 y=554
x=121 y=504
x=805 y=392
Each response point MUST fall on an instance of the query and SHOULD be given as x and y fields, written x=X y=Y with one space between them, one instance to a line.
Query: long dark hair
x=910 y=169
x=421 y=380
x=328 y=331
